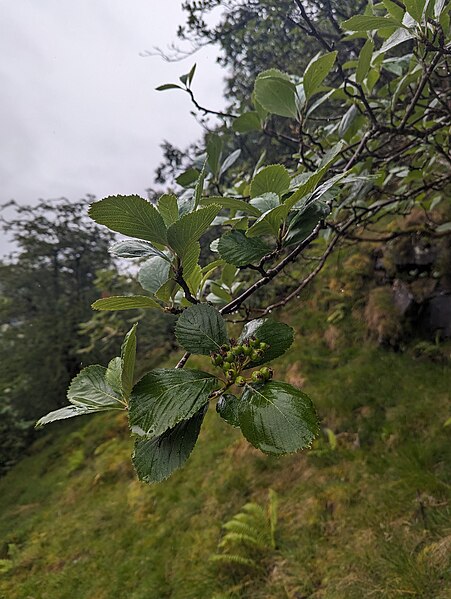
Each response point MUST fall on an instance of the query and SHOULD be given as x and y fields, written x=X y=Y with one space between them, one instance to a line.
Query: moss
x=367 y=516
x=382 y=317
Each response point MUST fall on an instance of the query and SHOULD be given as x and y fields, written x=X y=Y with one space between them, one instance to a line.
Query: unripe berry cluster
x=235 y=357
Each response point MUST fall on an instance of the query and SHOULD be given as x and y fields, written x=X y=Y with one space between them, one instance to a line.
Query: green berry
x=253 y=342
x=238 y=350
x=263 y=346
x=257 y=376
x=240 y=381
x=225 y=348
x=227 y=366
x=231 y=374
x=256 y=354
x=247 y=350
x=217 y=360
x=267 y=373
x=229 y=356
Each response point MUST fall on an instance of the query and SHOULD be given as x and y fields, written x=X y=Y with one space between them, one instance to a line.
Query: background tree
x=47 y=286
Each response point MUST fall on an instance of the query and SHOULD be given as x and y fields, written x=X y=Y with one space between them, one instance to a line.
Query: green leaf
x=395 y=11
x=229 y=162
x=364 y=63
x=220 y=293
x=398 y=37
x=66 y=412
x=188 y=177
x=190 y=259
x=438 y=7
x=125 y=302
x=345 y=128
x=228 y=408
x=199 y=187
x=168 y=208
x=135 y=248
x=201 y=329
x=191 y=227
x=194 y=280
x=128 y=358
x=265 y=202
x=369 y=23
x=235 y=248
x=165 y=86
x=188 y=77
x=214 y=151
x=278 y=335
x=165 y=397
x=269 y=222
x=90 y=389
x=156 y=459
x=277 y=95
x=191 y=74
x=274 y=178
x=168 y=290
x=113 y=375
x=153 y=274
x=209 y=268
x=277 y=418
x=415 y=8
x=403 y=84
x=313 y=180
x=444 y=228
x=304 y=222
x=130 y=215
x=232 y=204
x=248 y=121
x=316 y=72
x=229 y=273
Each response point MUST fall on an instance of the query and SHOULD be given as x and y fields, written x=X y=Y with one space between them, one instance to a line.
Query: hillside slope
x=368 y=517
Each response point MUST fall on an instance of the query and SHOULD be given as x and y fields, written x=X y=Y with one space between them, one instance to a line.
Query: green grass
x=369 y=519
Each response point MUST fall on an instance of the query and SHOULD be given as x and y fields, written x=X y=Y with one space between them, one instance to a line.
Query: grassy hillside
x=366 y=518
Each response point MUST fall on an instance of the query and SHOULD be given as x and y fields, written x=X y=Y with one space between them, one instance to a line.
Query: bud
x=227 y=366
x=238 y=350
x=229 y=356
x=263 y=346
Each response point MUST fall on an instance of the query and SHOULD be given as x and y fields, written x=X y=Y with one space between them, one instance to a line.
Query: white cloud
x=78 y=111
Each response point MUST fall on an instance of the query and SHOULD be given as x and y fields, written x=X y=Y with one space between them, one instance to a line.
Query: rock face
x=413 y=278
x=403 y=298
x=435 y=319
x=414 y=254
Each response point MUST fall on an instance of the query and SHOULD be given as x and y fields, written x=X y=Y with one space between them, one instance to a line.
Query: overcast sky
x=78 y=109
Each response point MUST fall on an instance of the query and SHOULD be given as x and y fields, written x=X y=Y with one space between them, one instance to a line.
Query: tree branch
x=271 y=273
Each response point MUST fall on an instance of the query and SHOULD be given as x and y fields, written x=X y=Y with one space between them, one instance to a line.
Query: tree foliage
x=46 y=287
x=365 y=129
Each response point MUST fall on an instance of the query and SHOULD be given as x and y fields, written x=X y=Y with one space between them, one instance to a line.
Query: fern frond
x=260 y=534
x=232 y=538
x=255 y=510
x=253 y=528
